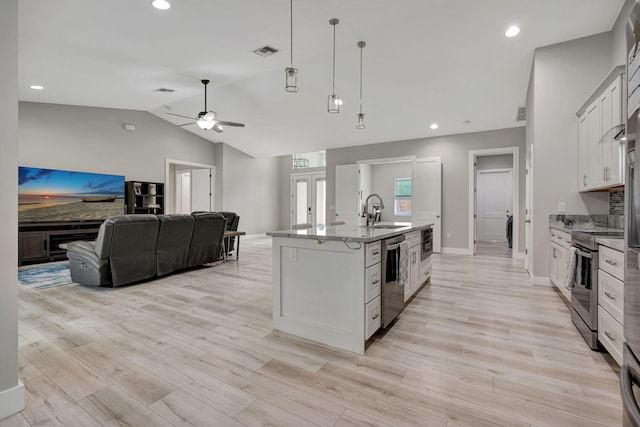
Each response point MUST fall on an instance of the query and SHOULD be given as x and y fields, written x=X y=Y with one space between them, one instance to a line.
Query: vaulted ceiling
x=426 y=61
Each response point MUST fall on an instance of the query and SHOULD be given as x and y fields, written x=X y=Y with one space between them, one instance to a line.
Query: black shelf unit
x=144 y=197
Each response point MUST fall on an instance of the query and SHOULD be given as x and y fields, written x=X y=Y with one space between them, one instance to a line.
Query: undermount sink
x=387 y=226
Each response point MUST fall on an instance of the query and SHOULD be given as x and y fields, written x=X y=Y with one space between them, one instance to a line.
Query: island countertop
x=351 y=233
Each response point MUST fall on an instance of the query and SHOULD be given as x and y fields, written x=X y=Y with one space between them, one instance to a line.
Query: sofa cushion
x=174 y=240
x=206 y=242
x=133 y=248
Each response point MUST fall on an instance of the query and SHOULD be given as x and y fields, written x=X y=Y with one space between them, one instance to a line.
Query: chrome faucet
x=371 y=219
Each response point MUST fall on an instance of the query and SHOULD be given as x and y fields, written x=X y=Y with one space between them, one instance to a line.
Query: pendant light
x=334 y=102
x=291 y=73
x=360 y=124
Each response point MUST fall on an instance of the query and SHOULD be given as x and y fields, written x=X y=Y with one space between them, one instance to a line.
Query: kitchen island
x=327 y=282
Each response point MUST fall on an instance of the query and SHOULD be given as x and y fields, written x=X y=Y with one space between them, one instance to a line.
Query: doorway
x=494 y=210
x=494 y=196
x=309 y=199
x=190 y=187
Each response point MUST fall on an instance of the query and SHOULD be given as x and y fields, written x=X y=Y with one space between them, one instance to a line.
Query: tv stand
x=41 y=241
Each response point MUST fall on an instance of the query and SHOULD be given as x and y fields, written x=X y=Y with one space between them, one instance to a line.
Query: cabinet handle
x=560 y=238
x=375 y=316
x=610 y=336
x=611 y=297
x=375 y=282
x=553 y=235
x=584 y=179
x=610 y=262
x=375 y=252
x=554 y=252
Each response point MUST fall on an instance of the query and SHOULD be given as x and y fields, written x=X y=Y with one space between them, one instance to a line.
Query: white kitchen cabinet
x=559 y=259
x=600 y=155
x=415 y=279
x=611 y=300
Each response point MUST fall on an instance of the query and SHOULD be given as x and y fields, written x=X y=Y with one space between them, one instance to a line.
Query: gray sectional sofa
x=132 y=248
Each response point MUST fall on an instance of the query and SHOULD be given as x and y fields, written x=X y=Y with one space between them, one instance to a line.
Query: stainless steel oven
x=426 y=243
x=584 y=293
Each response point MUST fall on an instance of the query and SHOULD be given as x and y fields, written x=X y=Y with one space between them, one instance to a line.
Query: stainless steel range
x=584 y=294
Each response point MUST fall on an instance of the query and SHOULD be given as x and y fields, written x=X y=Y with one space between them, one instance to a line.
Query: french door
x=308 y=198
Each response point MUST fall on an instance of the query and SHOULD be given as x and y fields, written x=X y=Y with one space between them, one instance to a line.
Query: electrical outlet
x=562 y=207
x=293 y=254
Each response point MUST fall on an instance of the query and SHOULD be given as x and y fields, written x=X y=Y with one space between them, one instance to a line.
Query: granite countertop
x=613 y=243
x=350 y=233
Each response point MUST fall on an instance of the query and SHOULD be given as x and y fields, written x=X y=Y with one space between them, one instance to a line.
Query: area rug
x=44 y=276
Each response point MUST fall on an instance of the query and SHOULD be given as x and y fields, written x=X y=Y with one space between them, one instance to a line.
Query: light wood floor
x=493 y=249
x=479 y=346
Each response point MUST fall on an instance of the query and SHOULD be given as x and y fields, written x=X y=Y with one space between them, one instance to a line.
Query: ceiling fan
x=207 y=119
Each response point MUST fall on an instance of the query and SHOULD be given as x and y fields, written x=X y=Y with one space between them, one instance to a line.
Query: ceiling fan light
x=360 y=124
x=217 y=127
x=291 y=79
x=209 y=116
x=205 y=124
x=333 y=104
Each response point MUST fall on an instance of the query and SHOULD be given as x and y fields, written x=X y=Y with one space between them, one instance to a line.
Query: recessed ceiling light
x=434 y=126
x=36 y=87
x=512 y=31
x=161 y=4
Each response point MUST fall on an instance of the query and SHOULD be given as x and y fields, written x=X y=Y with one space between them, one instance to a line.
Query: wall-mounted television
x=50 y=195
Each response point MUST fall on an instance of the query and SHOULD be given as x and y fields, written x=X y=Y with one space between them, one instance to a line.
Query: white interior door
x=183 y=192
x=201 y=190
x=528 y=213
x=308 y=199
x=347 y=201
x=494 y=199
x=426 y=198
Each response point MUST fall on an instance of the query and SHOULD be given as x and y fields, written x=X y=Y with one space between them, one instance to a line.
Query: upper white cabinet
x=600 y=155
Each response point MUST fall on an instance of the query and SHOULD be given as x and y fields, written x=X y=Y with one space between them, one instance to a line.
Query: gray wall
x=8 y=211
x=454 y=151
x=251 y=188
x=499 y=161
x=383 y=178
x=564 y=76
x=93 y=140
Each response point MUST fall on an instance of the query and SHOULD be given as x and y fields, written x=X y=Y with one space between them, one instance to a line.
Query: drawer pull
x=610 y=336
x=560 y=238
x=610 y=262
x=609 y=295
x=375 y=316
x=375 y=252
x=375 y=282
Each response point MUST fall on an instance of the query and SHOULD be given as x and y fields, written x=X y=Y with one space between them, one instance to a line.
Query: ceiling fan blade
x=222 y=122
x=217 y=128
x=186 y=124
x=179 y=115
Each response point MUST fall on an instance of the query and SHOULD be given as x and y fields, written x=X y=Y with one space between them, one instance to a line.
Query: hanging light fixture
x=291 y=73
x=360 y=125
x=334 y=102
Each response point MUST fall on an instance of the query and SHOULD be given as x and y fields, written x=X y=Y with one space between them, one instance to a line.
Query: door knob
x=528 y=221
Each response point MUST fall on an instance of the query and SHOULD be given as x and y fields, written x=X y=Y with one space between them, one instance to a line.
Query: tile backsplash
x=616 y=202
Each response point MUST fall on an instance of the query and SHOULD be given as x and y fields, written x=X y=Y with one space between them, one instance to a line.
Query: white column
x=11 y=390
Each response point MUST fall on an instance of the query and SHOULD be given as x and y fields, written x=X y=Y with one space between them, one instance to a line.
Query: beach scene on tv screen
x=58 y=195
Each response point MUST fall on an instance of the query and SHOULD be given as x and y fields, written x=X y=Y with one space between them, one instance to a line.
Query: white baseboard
x=541 y=281
x=12 y=401
x=456 y=251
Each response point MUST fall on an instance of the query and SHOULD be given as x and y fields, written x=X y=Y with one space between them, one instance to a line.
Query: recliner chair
x=206 y=241
x=124 y=252
x=174 y=241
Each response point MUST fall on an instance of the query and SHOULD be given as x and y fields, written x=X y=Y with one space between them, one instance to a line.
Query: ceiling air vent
x=266 y=51
x=164 y=90
x=521 y=114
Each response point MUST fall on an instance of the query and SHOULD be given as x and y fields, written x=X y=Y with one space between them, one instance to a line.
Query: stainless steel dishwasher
x=392 y=285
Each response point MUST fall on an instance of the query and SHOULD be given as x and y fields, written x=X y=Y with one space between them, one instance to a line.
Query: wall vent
x=521 y=114
x=164 y=90
x=266 y=51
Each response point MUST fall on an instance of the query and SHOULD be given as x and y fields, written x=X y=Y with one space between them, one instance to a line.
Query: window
x=402 y=201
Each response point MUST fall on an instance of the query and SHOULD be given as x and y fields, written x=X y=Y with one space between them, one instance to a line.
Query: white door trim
x=473 y=155
x=169 y=162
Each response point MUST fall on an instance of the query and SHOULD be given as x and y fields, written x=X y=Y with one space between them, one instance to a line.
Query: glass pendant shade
x=360 y=124
x=334 y=103
x=292 y=79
